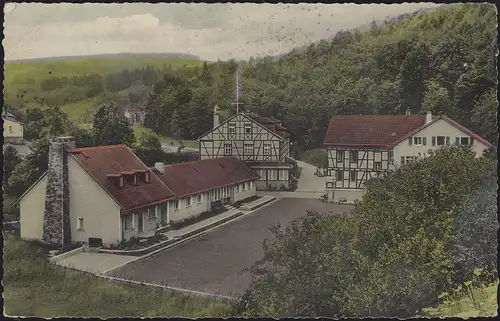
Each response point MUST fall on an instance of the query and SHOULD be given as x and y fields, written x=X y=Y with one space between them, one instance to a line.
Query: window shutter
x=457 y=141
x=424 y=141
x=410 y=140
x=402 y=160
x=447 y=140
x=433 y=140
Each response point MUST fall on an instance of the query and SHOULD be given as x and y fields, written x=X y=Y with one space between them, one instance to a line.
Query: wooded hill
x=442 y=61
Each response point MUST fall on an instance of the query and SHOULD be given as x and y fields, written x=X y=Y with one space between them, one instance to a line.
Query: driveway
x=308 y=182
x=95 y=262
x=217 y=261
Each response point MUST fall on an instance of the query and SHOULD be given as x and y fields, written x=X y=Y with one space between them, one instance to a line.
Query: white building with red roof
x=364 y=146
x=135 y=115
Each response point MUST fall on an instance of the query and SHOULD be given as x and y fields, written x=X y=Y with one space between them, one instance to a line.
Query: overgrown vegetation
x=34 y=287
x=399 y=252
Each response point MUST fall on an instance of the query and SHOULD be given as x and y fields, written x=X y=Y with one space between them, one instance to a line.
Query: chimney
x=216 y=116
x=56 y=220
x=428 y=117
x=408 y=112
x=160 y=167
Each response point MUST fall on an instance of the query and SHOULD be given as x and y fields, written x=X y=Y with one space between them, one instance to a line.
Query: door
x=140 y=225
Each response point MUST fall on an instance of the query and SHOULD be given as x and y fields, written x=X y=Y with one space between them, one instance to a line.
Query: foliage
x=475 y=242
x=34 y=287
x=29 y=170
x=83 y=137
x=56 y=121
x=391 y=258
x=149 y=140
x=110 y=127
x=316 y=157
x=11 y=160
x=33 y=124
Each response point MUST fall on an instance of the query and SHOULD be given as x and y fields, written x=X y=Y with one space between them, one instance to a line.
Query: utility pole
x=237 y=103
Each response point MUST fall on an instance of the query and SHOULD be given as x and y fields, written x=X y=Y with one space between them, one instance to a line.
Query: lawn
x=139 y=129
x=29 y=73
x=34 y=287
x=486 y=305
x=317 y=157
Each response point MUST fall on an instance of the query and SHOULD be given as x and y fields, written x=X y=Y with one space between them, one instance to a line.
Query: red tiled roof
x=370 y=130
x=199 y=176
x=101 y=161
x=468 y=131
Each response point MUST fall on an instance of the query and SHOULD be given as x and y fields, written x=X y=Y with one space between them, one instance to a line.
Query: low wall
x=65 y=255
x=350 y=195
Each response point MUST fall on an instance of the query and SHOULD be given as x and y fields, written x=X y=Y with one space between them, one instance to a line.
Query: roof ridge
x=83 y=149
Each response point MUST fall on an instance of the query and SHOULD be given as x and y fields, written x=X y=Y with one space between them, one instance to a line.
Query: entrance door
x=140 y=226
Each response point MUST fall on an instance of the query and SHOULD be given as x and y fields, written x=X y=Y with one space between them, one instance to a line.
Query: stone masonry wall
x=56 y=224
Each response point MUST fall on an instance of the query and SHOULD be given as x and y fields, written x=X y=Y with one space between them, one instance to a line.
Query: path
x=308 y=182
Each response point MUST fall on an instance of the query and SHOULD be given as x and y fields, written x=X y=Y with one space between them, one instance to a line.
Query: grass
x=315 y=157
x=34 y=287
x=139 y=130
x=486 y=305
x=28 y=73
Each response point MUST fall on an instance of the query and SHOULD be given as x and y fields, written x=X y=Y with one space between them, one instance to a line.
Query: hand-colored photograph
x=244 y=160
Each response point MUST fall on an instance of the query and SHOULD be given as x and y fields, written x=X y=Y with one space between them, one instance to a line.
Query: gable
x=240 y=117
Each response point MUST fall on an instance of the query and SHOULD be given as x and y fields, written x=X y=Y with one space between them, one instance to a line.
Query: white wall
x=8 y=125
x=243 y=194
x=100 y=213
x=32 y=208
x=184 y=211
x=439 y=128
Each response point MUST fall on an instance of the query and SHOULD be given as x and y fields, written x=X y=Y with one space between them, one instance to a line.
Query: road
x=173 y=148
x=217 y=262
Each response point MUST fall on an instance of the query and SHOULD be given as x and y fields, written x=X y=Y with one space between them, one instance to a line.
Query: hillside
x=25 y=80
x=442 y=61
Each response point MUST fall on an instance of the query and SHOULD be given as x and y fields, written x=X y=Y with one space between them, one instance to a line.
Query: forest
x=443 y=61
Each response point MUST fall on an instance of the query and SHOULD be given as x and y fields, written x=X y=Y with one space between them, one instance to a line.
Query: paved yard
x=95 y=262
x=308 y=182
x=215 y=262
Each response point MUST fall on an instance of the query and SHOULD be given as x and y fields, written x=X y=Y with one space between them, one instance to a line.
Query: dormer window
x=116 y=179
x=232 y=128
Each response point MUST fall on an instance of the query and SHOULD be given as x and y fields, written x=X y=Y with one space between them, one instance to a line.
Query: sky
x=210 y=31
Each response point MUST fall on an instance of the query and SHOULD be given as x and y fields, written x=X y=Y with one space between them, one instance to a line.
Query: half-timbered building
x=261 y=142
x=361 y=147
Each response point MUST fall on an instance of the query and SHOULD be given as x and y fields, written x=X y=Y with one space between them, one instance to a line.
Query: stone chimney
x=428 y=117
x=216 y=116
x=56 y=221
x=160 y=167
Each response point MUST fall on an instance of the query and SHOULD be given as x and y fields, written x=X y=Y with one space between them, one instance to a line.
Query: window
x=353 y=175
x=232 y=128
x=440 y=140
x=175 y=204
x=391 y=156
x=340 y=175
x=407 y=159
x=248 y=149
x=340 y=156
x=418 y=141
x=353 y=155
x=463 y=141
x=248 y=128
x=152 y=213
x=10 y=129
x=272 y=174
x=200 y=198
x=128 y=221
x=80 y=224
x=377 y=166
x=267 y=149
x=228 y=149
x=188 y=201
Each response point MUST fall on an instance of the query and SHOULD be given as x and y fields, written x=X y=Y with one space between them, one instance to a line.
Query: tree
x=11 y=160
x=29 y=170
x=474 y=243
x=33 y=124
x=110 y=127
x=436 y=98
x=149 y=140
x=56 y=121
x=484 y=114
x=83 y=137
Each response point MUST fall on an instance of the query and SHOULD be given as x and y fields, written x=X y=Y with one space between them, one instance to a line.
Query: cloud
x=211 y=31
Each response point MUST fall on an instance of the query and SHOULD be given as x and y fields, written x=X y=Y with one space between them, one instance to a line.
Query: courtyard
x=217 y=262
